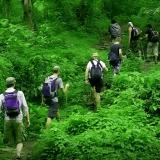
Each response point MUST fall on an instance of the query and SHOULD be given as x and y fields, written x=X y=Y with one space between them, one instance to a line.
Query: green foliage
x=113 y=133
x=38 y=116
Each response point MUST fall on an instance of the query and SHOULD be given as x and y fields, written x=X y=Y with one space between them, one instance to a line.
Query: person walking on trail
x=115 y=56
x=13 y=102
x=114 y=30
x=134 y=42
x=52 y=99
x=152 y=46
x=93 y=75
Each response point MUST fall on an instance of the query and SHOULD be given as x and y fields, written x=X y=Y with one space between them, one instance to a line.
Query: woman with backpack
x=134 y=43
x=115 y=56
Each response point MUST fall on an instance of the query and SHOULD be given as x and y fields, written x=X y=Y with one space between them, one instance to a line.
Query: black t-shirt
x=115 y=49
x=149 y=32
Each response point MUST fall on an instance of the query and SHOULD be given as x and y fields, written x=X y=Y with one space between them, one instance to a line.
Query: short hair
x=149 y=25
x=9 y=85
x=118 y=39
x=55 y=71
x=113 y=21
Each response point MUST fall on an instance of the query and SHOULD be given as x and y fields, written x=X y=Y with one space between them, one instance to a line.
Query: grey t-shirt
x=59 y=84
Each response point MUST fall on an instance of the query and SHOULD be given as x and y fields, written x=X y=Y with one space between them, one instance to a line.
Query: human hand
x=28 y=123
x=67 y=85
x=86 y=81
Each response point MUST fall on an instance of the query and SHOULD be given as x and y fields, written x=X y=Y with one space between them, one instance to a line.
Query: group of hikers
x=13 y=102
x=135 y=39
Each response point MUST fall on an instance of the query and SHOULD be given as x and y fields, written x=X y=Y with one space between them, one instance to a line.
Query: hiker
x=14 y=102
x=95 y=77
x=114 y=30
x=134 y=42
x=115 y=56
x=152 y=46
x=52 y=100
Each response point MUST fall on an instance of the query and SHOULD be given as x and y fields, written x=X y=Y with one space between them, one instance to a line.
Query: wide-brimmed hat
x=95 y=55
x=10 y=80
x=56 y=68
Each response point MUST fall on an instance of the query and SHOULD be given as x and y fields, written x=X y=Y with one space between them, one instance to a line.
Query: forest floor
x=25 y=155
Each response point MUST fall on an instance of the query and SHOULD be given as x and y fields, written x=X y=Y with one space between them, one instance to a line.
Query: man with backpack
x=13 y=102
x=115 y=56
x=50 y=94
x=153 y=39
x=114 y=30
x=95 y=67
x=134 y=42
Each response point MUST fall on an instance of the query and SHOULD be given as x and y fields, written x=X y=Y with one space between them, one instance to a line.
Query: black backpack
x=154 y=36
x=96 y=72
x=113 y=59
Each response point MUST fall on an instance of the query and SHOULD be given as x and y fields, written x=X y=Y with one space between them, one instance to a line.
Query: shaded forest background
x=30 y=28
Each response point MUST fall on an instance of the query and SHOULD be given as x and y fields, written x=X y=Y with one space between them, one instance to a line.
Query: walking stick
x=142 y=50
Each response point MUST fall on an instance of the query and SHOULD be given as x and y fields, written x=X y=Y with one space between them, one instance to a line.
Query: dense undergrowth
x=127 y=124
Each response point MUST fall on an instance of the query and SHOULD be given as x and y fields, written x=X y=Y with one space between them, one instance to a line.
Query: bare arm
x=86 y=75
x=120 y=54
x=106 y=69
x=129 y=31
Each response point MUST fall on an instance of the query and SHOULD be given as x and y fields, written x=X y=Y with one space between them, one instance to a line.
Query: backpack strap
x=5 y=93
x=93 y=64
x=98 y=63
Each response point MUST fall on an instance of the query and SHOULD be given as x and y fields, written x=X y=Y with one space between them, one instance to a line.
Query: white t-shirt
x=89 y=65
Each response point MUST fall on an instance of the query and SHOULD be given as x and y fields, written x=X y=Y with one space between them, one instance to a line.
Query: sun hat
x=95 y=55
x=10 y=80
x=56 y=68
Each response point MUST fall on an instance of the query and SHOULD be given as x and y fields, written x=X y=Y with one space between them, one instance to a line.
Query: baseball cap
x=10 y=80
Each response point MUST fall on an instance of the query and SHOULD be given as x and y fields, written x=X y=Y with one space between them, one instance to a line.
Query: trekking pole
x=142 y=50
x=66 y=98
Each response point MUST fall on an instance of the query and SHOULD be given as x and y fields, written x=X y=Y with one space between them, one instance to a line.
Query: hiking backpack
x=11 y=104
x=96 y=72
x=115 y=30
x=154 y=36
x=49 y=88
x=113 y=59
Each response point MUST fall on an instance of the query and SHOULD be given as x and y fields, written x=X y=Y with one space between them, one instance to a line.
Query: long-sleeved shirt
x=22 y=101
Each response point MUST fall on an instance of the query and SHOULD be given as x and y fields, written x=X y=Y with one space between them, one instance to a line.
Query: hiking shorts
x=152 y=48
x=13 y=132
x=98 y=84
x=53 y=108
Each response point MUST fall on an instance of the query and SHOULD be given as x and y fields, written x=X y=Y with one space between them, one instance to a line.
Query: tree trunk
x=28 y=13
x=7 y=6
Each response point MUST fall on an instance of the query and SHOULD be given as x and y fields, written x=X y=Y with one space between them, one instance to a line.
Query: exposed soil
x=25 y=155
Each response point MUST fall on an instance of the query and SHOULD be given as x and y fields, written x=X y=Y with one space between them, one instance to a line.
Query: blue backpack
x=49 y=88
x=11 y=104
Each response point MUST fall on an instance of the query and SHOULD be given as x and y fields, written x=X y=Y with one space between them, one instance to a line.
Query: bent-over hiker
x=134 y=42
x=93 y=75
x=115 y=56
x=13 y=102
x=114 y=30
x=51 y=99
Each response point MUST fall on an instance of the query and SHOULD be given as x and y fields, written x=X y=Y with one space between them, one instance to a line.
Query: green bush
x=114 y=133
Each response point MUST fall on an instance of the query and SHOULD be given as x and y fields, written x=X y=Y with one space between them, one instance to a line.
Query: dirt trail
x=27 y=149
